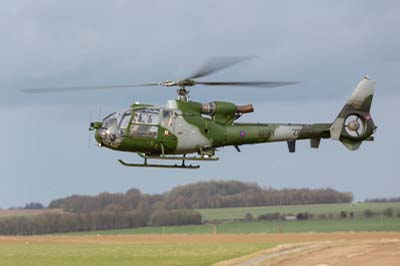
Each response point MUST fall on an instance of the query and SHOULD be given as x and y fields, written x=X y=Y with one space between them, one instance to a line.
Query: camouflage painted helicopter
x=185 y=127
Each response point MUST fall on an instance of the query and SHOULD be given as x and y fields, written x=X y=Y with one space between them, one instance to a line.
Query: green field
x=342 y=225
x=338 y=225
x=359 y=223
x=182 y=229
x=132 y=254
x=335 y=209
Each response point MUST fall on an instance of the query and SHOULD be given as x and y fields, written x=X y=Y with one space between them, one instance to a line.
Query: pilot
x=138 y=118
x=135 y=127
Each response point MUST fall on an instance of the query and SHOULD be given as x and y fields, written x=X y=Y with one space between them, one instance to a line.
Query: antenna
x=90 y=137
x=100 y=112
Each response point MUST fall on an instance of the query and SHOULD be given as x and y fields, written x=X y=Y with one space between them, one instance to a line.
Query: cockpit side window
x=167 y=118
x=147 y=116
x=145 y=123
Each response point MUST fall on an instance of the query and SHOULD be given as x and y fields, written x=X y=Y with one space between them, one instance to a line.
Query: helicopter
x=186 y=130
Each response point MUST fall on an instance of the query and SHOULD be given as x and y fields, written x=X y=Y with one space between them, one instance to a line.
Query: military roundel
x=243 y=134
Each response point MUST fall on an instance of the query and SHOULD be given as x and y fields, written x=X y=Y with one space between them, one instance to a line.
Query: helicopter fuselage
x=189 y=127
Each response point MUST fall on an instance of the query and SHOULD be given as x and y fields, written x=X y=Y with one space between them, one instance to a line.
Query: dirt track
x=348 y=254
x=326 y=253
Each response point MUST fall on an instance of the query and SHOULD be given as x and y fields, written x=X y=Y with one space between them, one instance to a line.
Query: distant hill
x=211 y=194
x=223 y=194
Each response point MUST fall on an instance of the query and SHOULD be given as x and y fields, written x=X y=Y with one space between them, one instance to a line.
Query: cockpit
x=145 y=123
x=140 y=123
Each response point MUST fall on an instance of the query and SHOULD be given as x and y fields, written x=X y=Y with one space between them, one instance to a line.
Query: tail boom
x=252 y=133
x=352 y=126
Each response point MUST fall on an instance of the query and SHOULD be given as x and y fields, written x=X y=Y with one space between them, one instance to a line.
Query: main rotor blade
x=218 y=63
x=263 y=84
x=84 y=88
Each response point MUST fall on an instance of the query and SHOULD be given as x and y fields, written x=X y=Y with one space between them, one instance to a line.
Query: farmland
x=239 y=213
x=132 y=250
x=357 y=224
x=209 y=243
x=262 y=227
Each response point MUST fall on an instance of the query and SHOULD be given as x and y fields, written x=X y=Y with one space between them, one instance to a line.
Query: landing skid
x=179 y=166
x=180 y=158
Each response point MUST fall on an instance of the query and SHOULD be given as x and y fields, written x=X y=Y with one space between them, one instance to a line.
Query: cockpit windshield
x=118 y=120
x=114 y=126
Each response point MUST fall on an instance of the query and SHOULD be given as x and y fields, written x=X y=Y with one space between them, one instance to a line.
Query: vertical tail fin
x=354 y=123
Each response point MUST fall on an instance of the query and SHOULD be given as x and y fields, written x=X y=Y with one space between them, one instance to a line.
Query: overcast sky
x=328 y=45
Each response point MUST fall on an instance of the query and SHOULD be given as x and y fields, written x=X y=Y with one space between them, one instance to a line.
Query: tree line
x=379 y=200
x=212 y=194
x=49 y=223
x=367 y=213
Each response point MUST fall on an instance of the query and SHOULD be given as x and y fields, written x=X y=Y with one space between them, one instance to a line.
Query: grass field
x=187 y=252
x=123 y=254
x=338 y=225
x=239 y=213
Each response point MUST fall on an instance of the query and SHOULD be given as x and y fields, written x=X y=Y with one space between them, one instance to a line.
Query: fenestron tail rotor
x=355 y=126
x=213 y=65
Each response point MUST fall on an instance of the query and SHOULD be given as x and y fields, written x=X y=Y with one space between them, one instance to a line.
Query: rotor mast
x=183 y=93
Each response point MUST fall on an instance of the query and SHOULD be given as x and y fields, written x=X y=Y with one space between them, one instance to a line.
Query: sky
x=47 y=151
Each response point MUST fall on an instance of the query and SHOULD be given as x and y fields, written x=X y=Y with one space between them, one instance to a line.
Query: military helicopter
x=185 y=127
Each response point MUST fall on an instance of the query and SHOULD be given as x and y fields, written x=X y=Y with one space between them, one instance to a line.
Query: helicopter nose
x=99 y=134
x=99 y=131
